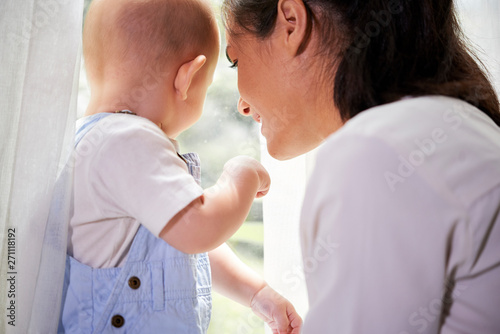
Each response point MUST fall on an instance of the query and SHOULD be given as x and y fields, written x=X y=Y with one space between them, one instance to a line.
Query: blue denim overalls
x=158 y=290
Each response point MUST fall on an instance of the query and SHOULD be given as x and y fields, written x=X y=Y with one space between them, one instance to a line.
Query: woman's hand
x=276 y=311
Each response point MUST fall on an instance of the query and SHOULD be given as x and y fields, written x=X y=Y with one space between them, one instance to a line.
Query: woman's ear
x=291 y=24
x=185 y=75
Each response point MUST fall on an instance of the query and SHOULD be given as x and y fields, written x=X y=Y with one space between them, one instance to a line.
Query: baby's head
x=152 y=57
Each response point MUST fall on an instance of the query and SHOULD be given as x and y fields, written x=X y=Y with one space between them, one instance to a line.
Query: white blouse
x=400 y=225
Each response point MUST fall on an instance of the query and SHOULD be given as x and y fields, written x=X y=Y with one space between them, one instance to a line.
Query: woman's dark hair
x=383 y=49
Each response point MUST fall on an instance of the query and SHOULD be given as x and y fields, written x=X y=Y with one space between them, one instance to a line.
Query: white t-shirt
x=127 y=173
x=401 y=223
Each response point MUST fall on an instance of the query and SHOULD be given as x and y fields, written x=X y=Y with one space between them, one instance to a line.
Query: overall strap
x=62 y=201
x=88 y=123
x=140 y=244
x=192 y=161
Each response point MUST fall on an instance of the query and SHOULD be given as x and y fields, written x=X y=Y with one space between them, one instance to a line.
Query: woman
x=407 y=182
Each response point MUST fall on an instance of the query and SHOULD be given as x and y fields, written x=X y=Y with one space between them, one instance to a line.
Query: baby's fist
x=241 y=167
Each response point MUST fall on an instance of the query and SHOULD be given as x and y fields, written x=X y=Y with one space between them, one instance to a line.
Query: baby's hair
x=149 y=32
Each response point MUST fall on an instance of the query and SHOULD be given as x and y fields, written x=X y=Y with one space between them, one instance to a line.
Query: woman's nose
x=244 y=107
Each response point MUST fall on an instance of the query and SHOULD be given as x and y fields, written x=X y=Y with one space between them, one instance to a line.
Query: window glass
x=481 y=26
x=220 y=134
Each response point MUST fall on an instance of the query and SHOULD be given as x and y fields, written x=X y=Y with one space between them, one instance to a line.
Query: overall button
x=117 y=321
x=134 y=282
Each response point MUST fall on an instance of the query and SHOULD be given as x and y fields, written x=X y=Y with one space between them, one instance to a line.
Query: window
x=220 y=134
x=481 y=27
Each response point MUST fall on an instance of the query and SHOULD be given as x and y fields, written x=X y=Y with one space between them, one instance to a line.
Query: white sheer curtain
x=282 y=258
x=39 y=62
x=481 y=23
x=283 y=268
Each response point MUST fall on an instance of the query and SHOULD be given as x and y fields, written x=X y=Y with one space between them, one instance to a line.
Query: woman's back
x=410 y=194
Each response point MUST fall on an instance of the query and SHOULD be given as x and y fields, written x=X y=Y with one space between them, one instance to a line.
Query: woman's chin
x=282 y=152
x=289 y=148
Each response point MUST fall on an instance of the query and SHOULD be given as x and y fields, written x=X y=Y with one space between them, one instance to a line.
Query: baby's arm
x=233 y=279
x=211 y=219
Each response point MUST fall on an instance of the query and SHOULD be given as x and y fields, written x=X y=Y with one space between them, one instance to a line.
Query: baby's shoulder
x=116 y=125
x=121 y=132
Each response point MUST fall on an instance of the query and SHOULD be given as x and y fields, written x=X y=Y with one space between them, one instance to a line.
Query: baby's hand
x=276 y=311
x=242 y=167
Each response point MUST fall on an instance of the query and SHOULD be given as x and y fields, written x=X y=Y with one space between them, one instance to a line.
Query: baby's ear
x=185 y=75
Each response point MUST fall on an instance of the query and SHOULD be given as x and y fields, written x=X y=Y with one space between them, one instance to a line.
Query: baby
x=142 y=225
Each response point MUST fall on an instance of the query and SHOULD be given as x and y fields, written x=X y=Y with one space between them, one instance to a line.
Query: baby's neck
x=147 y=103
x=151 y=104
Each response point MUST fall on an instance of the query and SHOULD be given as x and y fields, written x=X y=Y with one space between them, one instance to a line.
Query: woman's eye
x=234 y=63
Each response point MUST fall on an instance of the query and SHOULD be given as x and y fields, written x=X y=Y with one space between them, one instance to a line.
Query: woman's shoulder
x=403 y=122
x=446 y=143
